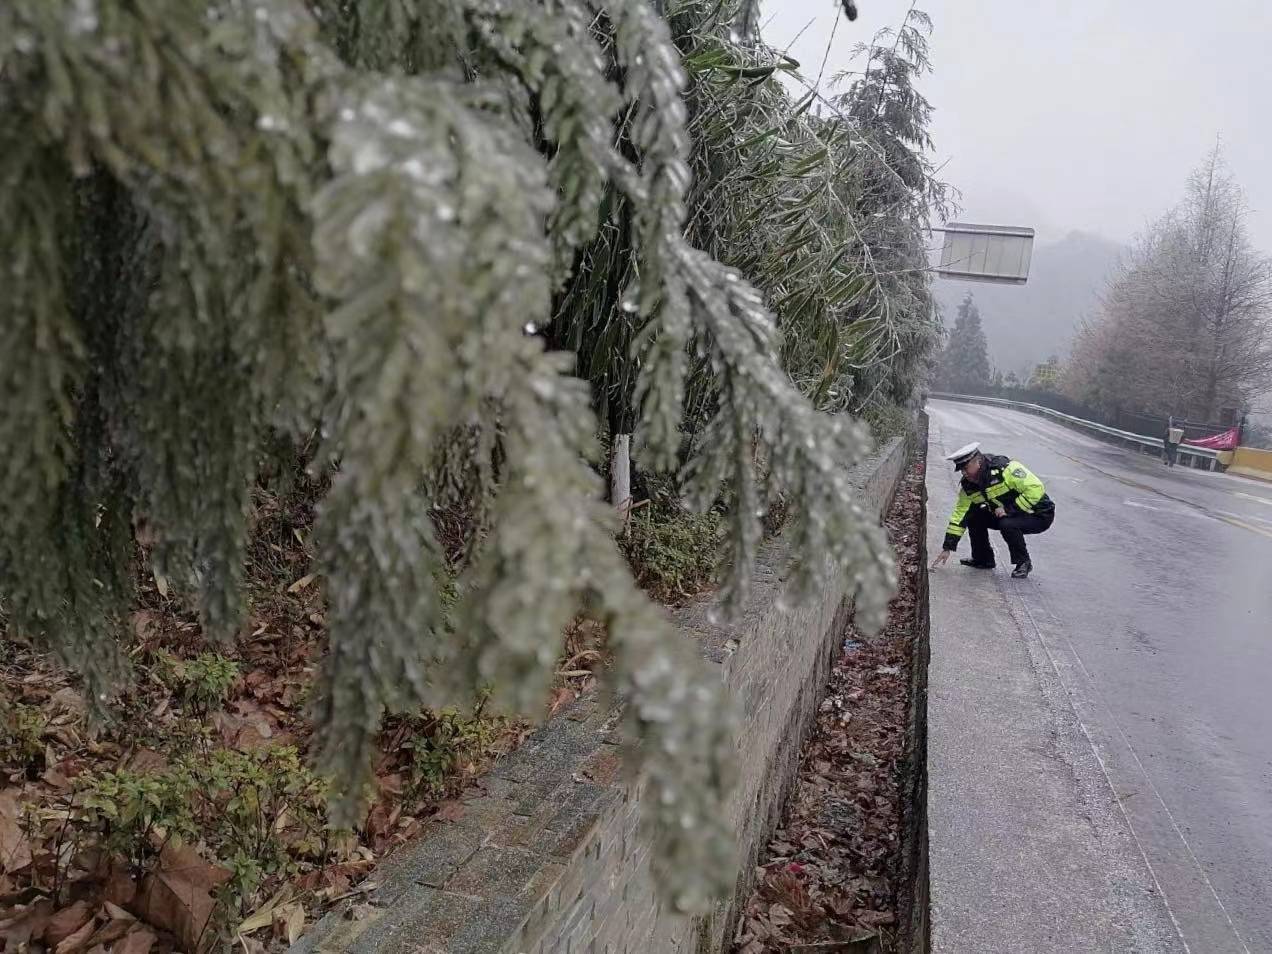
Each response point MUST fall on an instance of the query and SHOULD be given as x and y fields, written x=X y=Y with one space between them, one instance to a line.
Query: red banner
x=1225 y=441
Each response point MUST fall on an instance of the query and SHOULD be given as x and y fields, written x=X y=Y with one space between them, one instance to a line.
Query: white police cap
x=964 y=454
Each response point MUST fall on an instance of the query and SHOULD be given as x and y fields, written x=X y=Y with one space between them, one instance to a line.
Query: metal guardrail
x=1202 y=458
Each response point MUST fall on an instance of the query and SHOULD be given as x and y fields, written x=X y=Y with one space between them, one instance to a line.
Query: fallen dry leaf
x=77 y=941
x=17 y=931
x=830 y=868
x=115 y=912
x=15 y=846
x=147 y=762
x=561 y=697
x=116 y=923
x=144 y=622
x=289 y=922
x=137 y=941
x=66 y=922
x=263 y=916
x=118 y=887
x=177 y=897
x=451 y=811
x=303 y=582
x=56 y=780
x=68 y=700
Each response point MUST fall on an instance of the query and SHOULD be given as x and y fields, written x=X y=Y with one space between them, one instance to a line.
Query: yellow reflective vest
x=1004 y=483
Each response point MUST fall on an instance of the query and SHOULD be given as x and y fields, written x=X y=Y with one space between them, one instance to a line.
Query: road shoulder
x=1029 y=848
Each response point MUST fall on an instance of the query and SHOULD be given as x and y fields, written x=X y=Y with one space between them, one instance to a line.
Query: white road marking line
x=1207 y=514
x=1170 y=510
x=1262 y=500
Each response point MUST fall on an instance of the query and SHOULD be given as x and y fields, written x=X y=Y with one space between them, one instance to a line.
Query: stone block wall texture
x=914 y=903
x=550 y=858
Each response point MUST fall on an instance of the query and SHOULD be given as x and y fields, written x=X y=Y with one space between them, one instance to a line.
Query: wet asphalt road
x=1155 y=584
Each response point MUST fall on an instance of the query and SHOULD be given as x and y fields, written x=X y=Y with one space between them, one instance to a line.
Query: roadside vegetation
x=1186 y=325
x=321 y=327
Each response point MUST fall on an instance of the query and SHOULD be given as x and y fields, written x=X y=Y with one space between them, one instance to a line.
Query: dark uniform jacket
x=1003 y=482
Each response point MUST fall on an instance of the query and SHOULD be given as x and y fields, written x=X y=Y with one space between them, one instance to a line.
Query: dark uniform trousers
x=1013 y=527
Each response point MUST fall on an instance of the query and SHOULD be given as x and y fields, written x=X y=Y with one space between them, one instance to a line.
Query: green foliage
x=21 y=735
x=1185 y=324
x=673 y=553
x=442 y=743
x=230 y=220
x=822 y=203
x=895 y=193
x=964 y=367
x=887 y=421
x=254 y=793
x=204 y=681
x=257 y=812
x=208 y=678
x=129 y=809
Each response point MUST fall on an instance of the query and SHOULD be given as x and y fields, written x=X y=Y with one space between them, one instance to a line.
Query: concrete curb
x=915 y=934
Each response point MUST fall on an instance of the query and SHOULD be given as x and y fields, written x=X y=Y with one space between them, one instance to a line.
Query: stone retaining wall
x=551 y=860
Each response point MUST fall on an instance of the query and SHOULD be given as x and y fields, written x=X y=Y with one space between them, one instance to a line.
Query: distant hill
x=1025 y=324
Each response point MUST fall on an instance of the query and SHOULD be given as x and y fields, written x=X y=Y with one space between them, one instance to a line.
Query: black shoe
x=977 y=564
x=1022 y=570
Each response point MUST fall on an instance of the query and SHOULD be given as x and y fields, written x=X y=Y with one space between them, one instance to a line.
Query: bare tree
x=1186 y=322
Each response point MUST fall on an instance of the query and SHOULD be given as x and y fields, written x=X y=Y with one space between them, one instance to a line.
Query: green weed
x=443 y=743
x=259 y=813
x=886 y=421
x=673 y=553
x=204 y=681
x=21 y=735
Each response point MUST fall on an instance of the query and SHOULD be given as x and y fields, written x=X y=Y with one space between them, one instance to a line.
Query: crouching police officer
x=996 y=493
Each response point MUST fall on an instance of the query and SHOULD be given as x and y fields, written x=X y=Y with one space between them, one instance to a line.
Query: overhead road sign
x=986 y=253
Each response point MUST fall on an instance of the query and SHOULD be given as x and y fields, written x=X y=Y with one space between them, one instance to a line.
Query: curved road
x=1151 y=603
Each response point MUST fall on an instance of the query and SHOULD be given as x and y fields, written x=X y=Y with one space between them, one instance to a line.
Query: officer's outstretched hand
x=942 y=558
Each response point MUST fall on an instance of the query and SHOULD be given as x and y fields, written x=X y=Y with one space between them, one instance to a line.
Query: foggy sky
x=1077 y=115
